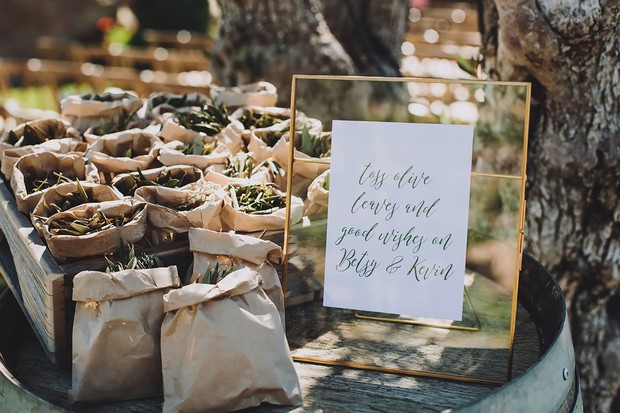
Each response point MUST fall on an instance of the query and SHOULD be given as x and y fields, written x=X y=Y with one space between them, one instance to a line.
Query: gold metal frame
x=520 y=230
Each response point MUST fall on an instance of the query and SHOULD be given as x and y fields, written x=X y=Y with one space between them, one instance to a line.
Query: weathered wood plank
x=40 y=278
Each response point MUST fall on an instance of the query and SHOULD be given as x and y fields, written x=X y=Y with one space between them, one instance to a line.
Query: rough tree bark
x=273 y=40
x=371 y=32
x=569 y=50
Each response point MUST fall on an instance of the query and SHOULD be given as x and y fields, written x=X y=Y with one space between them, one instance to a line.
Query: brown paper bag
x=230 y=136
x=258 y=94
x=162 y=105
x=37 y=165
x=116 y=333
x=171 y=154
x=240 y=164
x=109 y=152
x=235 y=220
x=69 y=146
x=185 y=174
x=318 y=195
x=262 y=140
x=244 y=115
x=95 y=192
x=224 y=349
x=63 y=247
x=213 y=174
x=94 y=110
x=36 y=132
x=228 y=249
x=163 y=203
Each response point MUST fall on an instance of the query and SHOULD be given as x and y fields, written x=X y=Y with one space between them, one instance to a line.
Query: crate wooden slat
x=41 y=280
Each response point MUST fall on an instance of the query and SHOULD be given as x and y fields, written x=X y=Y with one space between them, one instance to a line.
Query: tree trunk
x=272 y=40
x=569 y=50
x=371 y=32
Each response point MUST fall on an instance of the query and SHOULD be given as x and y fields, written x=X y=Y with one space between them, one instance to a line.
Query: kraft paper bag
x=171 y=154
x=116 y=333
x=109 y=153
x=235 y=220
x=236 y=251
x=55 y=196
x=257 y=94
x=108 y=240
x=230 y=136
x=304 y=172
x=163 y=105
x=68 y=146
x=37 y=165
x=185 y=174
x=94 y=110
x=262 y=140
x=215 y=173
x=318 y=195
x=35 y=132
x=224 y=348
x=280 y=114
x=165 y=213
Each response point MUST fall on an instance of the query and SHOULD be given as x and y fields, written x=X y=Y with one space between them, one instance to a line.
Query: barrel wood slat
x=541 y=382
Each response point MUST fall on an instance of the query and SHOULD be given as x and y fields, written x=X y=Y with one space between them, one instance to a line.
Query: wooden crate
x=46 y=285
x=41 y=280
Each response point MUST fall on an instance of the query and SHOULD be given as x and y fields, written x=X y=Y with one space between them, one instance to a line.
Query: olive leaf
x=50 y=179
x=216 y=273
x=84 y=226
x=116 y=123
x=211 y=119
x=326 y=182
x=198 y=147
x=128 y=260
x=164 y=178
x=257 y=199
x=316 y=146
x=240 y=166
x=68 y=201
x=251 y=118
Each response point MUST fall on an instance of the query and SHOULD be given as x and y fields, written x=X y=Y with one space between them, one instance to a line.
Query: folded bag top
x=236 y=283
x=99 y=286
x=245 y=247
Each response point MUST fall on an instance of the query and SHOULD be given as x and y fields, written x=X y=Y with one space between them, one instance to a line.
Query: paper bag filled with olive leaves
x=224 y=349
x=219 y=253
x=36 y=173
x=116 y=333
x=101 y=112
x=95 y=229
x=257 y=207
x=177 y=210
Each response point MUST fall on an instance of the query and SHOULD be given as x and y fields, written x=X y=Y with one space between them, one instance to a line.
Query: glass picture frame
x=479 y=348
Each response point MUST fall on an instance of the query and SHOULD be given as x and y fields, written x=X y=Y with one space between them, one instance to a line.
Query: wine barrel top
x=543 y=371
